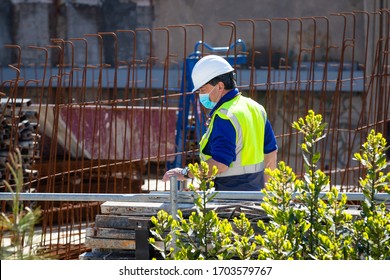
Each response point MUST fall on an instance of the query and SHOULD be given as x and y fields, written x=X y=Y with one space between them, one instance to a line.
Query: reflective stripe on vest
x=239 y=170
x=237 y=167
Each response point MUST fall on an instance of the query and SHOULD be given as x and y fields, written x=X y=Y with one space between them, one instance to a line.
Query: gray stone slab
x=139 y=208
x=111 y=233
x=121 y=222
x=106 y=243
x=115 y=233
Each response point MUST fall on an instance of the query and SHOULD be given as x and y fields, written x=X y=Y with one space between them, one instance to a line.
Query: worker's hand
x=173 y=172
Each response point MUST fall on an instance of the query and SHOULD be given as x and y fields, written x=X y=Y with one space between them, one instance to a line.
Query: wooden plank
x=106 y=243
x=115 y=233
x=139 y=208
x=121 y=222
x=111 y=233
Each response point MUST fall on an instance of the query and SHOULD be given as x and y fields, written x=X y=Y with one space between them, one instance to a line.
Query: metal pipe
x=173 y=192
x=165 y=196
x=173 y=197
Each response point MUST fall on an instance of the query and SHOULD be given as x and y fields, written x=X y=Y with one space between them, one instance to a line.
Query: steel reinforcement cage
x=115 y=128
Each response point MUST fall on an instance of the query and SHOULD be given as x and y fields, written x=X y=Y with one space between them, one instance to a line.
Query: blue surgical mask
x=204 y=98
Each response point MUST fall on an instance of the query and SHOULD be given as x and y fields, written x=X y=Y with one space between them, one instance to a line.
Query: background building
x=37 y=22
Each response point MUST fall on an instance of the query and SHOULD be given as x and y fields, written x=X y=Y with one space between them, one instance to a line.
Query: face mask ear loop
x=211 y=92
x=219 y=96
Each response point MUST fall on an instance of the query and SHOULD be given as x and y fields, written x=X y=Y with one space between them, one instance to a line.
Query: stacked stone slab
x=121 y=232
x=18 y=129
x=118 y=238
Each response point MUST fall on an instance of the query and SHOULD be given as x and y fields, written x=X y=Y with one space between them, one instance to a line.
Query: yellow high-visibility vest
x=248 y=119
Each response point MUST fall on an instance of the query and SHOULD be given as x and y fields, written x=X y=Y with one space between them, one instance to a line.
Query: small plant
x=315 y=181
x=313 y=227
x=20 y=225
x=283 y=234
x=302 y=224
x=372 y=232
x=202 y=235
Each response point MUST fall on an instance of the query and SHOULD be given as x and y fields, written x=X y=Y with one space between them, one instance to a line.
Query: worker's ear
x=221 y=86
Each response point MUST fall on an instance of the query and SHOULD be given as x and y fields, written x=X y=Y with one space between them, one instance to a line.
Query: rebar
x=108 y=132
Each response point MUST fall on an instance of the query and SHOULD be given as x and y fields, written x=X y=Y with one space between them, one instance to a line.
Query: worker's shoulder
x=244 y=98
x=253 y=103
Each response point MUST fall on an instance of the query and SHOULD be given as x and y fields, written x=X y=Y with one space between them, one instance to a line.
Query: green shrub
x=302 y=224
x=372 y=232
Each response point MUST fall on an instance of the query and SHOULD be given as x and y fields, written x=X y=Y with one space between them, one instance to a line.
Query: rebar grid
x=102 y=128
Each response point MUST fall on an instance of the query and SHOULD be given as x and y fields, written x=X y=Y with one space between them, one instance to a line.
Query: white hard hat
x=208 y=68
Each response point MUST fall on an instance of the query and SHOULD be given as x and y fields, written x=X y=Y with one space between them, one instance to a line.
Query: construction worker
x=239 y=139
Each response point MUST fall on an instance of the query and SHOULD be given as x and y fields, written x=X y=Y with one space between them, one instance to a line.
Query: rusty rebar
x=90 y=112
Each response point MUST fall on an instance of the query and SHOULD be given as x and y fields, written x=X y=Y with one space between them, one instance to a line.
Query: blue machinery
x=187 y=104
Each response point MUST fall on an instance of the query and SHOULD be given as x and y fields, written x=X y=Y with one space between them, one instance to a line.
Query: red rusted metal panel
x=111 y=132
